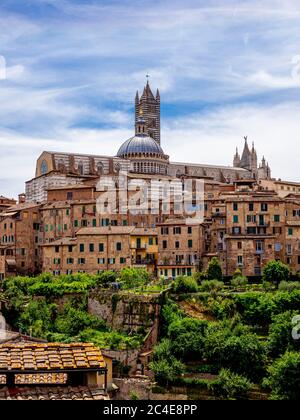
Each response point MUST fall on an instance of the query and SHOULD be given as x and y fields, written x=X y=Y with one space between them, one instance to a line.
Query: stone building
x=94 y=250
x=5 y=203
x=180 y=248
x=140 y=154
x=20 y=240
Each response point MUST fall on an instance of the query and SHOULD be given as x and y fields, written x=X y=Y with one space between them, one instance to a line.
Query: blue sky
x=225 y=69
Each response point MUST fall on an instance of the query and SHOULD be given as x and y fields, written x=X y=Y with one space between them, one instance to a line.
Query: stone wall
x=143 y=390
x=126 y=311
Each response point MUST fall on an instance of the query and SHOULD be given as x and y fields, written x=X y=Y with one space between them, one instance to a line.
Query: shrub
x=199 y=276
x=184 y=284
x=239 y=281
x=211 y=286
x=275 y=272
x=134 y=277
x=231 y=386
x=280 y=334
x=214 y=270
x=289 y=286
x=284 y=378
x=237 y=350
x=186 y=338
x=165 y=366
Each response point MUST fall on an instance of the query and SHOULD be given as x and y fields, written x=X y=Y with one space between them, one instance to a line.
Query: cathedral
x=142 y=155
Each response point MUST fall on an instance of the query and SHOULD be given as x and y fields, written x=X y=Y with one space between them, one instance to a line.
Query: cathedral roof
x=140 y=144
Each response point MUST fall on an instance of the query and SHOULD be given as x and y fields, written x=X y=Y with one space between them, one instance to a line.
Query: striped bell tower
x=148 y=105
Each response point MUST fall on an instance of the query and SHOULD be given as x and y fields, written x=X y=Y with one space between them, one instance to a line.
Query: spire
x=236 y=159
x=246 y=156
x=157 y=95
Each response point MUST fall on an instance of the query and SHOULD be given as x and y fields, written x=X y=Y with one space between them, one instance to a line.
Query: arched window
x=100 y=168
x=80 y=168
x=44 y=167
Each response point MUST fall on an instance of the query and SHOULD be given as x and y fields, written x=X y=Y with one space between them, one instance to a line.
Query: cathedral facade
x=141 y=155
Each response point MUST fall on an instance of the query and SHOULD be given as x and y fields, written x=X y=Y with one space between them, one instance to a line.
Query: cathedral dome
x=140 y=144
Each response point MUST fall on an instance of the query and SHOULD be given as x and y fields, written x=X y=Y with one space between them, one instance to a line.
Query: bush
x=231 y=386
x=275 y=272
x=280 y=334
x=284 y=379
x=235 y=349
x=214 y=270
x=199 y=276
x=211 y=286
x=184 y=284
x=187 y=338
x=134 y=277
x=165 y=366
x=289 y=286
x=239 y=281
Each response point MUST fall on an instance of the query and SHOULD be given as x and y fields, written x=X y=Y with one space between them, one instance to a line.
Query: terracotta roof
x=109 y=230
x=43 y=357
x=53 y=393
x=144 y=231
x=63 y=241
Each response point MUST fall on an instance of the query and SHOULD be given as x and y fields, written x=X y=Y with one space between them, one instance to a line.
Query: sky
x=69 y=71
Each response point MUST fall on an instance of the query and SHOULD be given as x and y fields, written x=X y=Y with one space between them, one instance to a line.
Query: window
x=276 y=218
x=56 y=260
x=70 y=260
x=122 y=260
x=177 y=244
x=190 y=230
x=68 y=212
x=290 y=231
x=111 y=261
x=70 y=248
x=251 y=218
x=240 y=260
x=239 y=245
x=94 y=223
x=259 y=247
x=119 y=246
x=277 y=247
x=190 y=243
x=101 y=260
x=235 y=219
x=44 y=167
x=165 y=244
x=57 y=249
x=264 y=207
x=81 y=261
x=92 y=247
x=84 y=223
x=75 y=223
x=289 y=249
x=69 y=198
x=65 y=227
x=177 y=230
x=101 y=247
x=81 y=247
x=124 y=222
x=165 y=231
x=235 y=206
x=251 y=207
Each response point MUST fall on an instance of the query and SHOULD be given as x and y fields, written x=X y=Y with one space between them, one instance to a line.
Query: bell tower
x=148 y=106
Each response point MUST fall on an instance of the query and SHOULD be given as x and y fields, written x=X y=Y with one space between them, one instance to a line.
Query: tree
x=275 y=272
x=133 y=277
x=184 y=284
x=284 y=379
x=165 y=366
x=280 y=337
x=231 y=386
x=187 y=338
x=238 y=350
x=214 y=270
